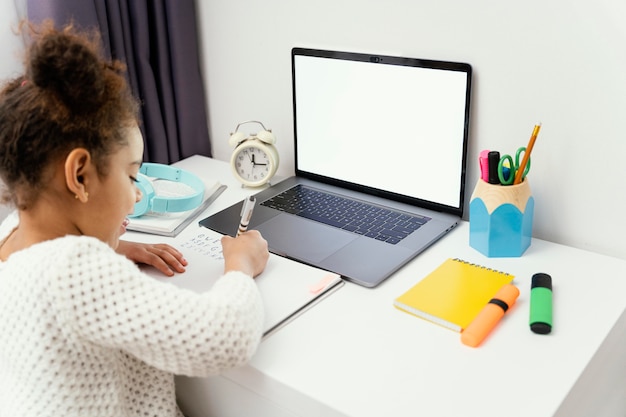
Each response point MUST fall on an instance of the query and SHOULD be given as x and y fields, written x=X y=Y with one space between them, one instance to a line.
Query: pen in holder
x=501 y=219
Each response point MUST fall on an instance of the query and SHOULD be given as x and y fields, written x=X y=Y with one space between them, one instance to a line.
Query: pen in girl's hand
x=246 y=214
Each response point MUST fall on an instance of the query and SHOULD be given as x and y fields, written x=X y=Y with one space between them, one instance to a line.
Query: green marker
x=541 y=304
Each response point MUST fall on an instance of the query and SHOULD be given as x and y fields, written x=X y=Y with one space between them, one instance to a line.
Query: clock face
x=253 y=165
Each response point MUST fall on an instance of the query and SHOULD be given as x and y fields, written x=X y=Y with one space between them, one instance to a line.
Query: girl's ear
x=78 y=168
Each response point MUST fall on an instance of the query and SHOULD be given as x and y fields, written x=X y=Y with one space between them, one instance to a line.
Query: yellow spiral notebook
x=453 y=294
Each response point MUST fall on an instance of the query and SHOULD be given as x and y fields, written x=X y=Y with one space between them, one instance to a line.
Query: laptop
x=382 y=137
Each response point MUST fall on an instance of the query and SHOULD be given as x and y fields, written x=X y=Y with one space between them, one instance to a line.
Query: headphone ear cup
x=147 y=194
x=266 y=136
x=235 y=138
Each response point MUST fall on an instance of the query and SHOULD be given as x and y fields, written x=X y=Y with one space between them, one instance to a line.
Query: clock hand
x=255 y=163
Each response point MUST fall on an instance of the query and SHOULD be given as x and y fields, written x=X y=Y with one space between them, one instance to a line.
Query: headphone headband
x=162 y=204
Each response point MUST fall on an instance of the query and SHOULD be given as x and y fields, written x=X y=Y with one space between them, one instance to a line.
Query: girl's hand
x=247 y=253
x=163 y=257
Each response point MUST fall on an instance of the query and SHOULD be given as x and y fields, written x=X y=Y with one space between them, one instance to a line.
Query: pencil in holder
x=501 y=219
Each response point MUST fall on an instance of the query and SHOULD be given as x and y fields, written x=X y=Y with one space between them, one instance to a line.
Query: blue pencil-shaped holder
x=501 y=219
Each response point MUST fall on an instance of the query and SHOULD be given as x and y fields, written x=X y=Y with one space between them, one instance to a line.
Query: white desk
x=354 y=354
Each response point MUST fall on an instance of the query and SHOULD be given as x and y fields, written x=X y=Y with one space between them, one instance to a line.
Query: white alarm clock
x=255 y=159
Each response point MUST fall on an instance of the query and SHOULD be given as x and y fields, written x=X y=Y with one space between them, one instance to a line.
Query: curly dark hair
x=70 y=96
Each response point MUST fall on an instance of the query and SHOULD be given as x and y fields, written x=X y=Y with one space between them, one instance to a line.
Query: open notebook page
x=287 y=288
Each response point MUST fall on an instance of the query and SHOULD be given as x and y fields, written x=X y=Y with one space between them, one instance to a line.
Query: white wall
x=561 y=63
x=11 y=47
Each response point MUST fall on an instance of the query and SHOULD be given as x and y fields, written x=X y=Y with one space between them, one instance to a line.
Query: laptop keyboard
x=355 y=216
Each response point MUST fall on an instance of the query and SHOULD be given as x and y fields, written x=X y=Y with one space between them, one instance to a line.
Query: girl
x=84 y=332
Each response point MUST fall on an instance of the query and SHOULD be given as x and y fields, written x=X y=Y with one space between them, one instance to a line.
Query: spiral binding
x=481 y=266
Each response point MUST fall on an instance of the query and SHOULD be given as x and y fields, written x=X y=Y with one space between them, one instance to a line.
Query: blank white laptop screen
x=389 y=127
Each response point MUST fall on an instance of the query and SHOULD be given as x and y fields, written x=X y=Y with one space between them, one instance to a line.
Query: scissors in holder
x=507 y=174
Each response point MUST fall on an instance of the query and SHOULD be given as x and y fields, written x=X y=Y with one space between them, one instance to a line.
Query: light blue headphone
x=161 y=204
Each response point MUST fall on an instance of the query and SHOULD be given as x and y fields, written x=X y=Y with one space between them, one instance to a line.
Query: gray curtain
x=158 y=41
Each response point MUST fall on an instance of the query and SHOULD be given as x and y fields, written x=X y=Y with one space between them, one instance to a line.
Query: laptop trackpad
x=302 y=239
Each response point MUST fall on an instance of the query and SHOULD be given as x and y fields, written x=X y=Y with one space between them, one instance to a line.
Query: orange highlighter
x=489 y=316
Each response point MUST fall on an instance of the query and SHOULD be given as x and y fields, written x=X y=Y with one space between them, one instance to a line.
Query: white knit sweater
x=84 y=333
